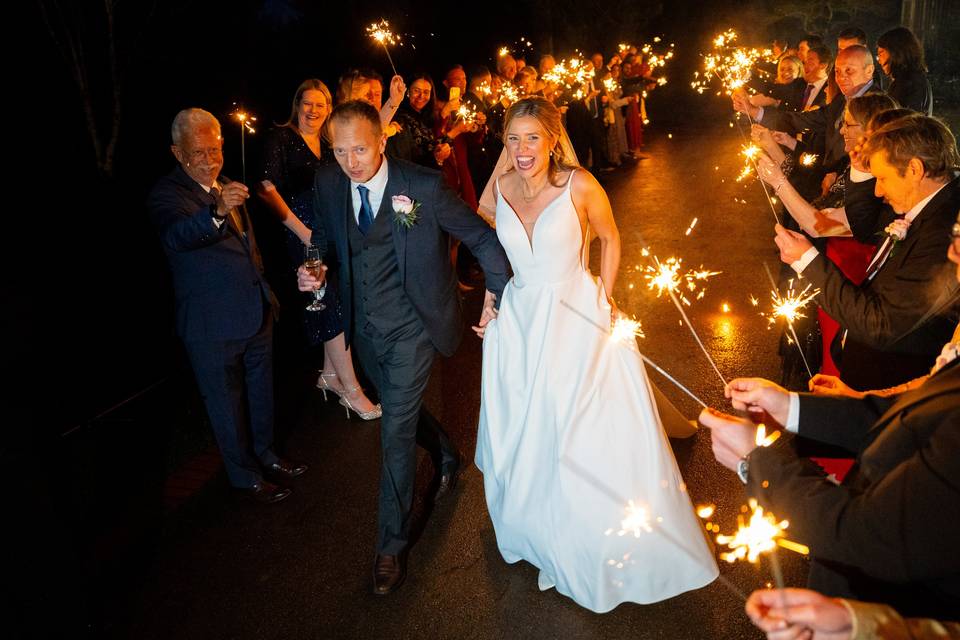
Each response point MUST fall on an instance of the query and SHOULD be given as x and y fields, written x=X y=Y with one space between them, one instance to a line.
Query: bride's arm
x=590 y=198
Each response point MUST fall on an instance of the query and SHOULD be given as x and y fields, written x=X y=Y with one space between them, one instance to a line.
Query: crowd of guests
x=868 y=181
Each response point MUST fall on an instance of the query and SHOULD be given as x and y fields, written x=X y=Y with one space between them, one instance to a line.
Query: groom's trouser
x=399 y=366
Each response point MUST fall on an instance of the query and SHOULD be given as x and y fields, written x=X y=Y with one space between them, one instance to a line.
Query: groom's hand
x=488 y=313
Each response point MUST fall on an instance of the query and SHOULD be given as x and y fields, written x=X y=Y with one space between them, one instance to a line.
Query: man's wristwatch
x=743 y=468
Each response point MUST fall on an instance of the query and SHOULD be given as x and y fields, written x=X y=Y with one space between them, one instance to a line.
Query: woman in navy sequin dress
x=292 y=154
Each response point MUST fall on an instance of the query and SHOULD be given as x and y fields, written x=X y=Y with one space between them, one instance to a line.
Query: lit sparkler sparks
x=733 y=66
x=467 y=113
x=508 y=94
x=706 y=510
x=637 y=519
x=382 y=35
x=626 y=329
x=504 y=51
x=764 y=440
x=246 y=121
x=667 y=277
x=610 y=84
x=762 y=535
x=790 y=305
x=808 y=159
x=693 y=223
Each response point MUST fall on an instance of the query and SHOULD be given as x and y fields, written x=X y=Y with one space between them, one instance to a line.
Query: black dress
x=911 y=89
x=290 y=165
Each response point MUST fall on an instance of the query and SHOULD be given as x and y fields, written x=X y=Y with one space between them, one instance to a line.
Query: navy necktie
x=806 y=95
x=365 y=219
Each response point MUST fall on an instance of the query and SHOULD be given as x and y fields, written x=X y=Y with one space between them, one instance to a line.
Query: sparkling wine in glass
x=314 y=266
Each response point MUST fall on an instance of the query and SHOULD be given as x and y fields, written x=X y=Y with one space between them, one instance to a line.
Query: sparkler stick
x=696 y=337
x=245 y=120
x=603 y=488
x=801 y=302
x=380 y=32
x=640 y=355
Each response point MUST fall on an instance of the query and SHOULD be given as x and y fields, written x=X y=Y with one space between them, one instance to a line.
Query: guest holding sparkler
x=367 y=85
x=884 y=534
x=825 y=216
x=900 y=55
x=292 y=154
x=617 y=149
x=897 y=320
x=798 y=613
x=225 y=307
x=854 y=73
x=787 y=90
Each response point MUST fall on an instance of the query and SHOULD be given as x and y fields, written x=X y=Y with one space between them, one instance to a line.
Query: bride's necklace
x=536 y=193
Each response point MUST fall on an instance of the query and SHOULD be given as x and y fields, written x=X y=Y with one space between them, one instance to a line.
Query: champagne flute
x=314 y=266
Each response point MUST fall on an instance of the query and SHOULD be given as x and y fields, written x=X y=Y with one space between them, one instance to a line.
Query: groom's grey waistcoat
x=378 y=295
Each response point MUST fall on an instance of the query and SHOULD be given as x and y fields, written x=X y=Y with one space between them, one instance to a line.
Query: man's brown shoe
x=388 y=573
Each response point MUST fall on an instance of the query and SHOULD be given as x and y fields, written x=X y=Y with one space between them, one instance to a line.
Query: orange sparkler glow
x=807 y=159
x=762 y=535
x=706 y=510
x=666 y=276
x=381 y=33
x=790 y=306
x=503 y=51
x=764 y=440
x=626 y=330
x=245 y=119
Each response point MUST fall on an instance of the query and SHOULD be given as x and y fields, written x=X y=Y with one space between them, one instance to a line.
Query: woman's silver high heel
x=325 y=386
x=373 y=414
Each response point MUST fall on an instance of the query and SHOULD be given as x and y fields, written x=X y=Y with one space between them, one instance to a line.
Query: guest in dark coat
x=900 y=55
x=225 y=308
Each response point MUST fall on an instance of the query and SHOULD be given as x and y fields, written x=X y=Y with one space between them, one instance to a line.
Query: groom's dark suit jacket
x=422 y=251
x=898 y=321
x=889 y=532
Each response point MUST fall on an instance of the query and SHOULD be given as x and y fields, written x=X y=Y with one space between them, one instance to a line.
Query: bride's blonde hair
x=547 y=114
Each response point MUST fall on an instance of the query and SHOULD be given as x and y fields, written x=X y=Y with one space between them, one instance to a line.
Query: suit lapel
x=943 y=382
x=397 y=184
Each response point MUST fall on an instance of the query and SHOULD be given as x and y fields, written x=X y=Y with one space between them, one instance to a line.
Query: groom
x=400 y=303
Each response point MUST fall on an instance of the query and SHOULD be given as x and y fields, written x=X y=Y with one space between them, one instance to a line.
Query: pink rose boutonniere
x=897 y=231
x=405 y=211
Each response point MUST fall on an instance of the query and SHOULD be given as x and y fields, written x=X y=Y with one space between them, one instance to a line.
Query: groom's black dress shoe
x=388 y=573
x=266 y=492
x=286 y=469
x=448 y=478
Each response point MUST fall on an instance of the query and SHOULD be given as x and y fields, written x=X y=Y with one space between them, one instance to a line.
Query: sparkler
x=762 y=535
x=666 y=277
x=637 y=519
x=807 y=159
x=382 y=35
x=508 y=94
x=504 y=51
x=246 y=121
x=790 y=307
x=467 y=113
x=622 y=337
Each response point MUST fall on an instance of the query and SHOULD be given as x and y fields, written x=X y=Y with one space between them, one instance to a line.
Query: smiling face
x=456 y=78
x=851 y=130
x=312 y=111
x=853 y=70
x=357 y=146
x=200 y=153
x=419 y=93
x=529 y=146
x=812 y=69
x=787 y=71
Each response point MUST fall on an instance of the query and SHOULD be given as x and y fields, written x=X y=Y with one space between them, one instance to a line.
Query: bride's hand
x=614 y=312
x=488 y=313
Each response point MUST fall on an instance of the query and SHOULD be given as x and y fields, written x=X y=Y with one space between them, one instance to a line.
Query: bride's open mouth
x=525 y=162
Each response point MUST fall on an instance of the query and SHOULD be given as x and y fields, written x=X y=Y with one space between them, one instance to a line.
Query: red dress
x=634 y=121
x=852 y=257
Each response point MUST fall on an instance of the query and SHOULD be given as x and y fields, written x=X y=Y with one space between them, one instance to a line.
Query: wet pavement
x=301 y=569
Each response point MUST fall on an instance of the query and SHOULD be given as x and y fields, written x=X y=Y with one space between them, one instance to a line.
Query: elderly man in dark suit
x=894 y=323
x=390 y=223
x=224 y=306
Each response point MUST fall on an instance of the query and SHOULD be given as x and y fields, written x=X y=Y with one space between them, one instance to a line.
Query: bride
x=579 y=477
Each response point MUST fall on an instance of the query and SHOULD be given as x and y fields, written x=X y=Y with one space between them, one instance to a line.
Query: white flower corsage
x=896 y=231
x=405 y=211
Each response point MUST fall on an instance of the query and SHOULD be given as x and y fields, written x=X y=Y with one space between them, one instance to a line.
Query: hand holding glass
x=314 y=265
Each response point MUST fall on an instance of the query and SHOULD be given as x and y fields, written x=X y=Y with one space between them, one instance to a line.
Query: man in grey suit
x=400 y=300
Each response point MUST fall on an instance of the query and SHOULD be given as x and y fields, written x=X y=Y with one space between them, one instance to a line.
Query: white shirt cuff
x=804 y=260
x=859 y=176
x=218 y=222
x=793 y=414
x=759 y=115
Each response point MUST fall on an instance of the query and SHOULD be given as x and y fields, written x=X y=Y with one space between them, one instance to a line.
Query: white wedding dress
x=569 y=433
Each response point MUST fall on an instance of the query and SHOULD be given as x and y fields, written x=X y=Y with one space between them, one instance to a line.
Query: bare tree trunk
x=923 y=17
